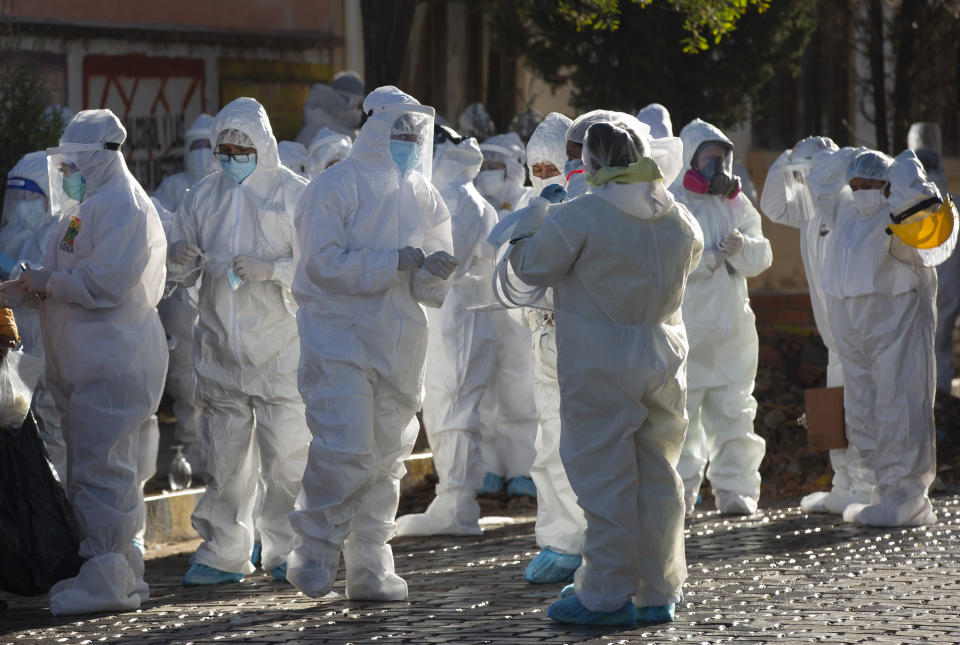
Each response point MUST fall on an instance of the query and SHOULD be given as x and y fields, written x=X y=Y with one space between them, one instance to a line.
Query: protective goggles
x=926 y=225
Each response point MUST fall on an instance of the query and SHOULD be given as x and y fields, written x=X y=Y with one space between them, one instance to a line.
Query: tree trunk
x=878 y=75
x=386 y=30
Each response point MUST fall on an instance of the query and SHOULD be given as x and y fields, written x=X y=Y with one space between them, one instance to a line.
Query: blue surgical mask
x=239 y=170
x=404 y=154
x=571 y=165
x=75 y=186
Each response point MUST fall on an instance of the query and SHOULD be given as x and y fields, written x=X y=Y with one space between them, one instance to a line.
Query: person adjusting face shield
x=101 y=280
x=573 y=170
x=617 y=260
x=326 y=149
x=501 y=176
x=374 y=246
x=335 y=106
x=882 y=315
x=293 y=155
x=788 y=199
x=924 y=138
x=722 y=366
x=198 y=163
x=28 y=224
x=461 y=349
x=235 y=229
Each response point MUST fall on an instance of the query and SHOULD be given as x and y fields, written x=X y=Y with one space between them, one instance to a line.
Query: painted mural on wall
x=156 y=98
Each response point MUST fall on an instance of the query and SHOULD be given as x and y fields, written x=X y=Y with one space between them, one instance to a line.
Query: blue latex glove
x=554 y=193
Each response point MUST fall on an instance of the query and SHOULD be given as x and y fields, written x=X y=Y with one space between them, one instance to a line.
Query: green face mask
x=644 y=170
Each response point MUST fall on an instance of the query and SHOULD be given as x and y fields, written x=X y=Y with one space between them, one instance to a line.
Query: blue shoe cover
x=255 y=556
x=550 y=566
x=569 y=610
x=568 y=591
x=521 y=487
x=655 y=613
x=279 y=572
x=200 y=574
x=492 y=484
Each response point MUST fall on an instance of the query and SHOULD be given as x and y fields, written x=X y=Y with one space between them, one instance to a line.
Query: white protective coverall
x=560 y=522
x=336 y=108
x=617 y=260
x=658 y=118
x=721 y=328
x=461 y=352
x=246 y=350
x=883 y=315
x=327 y=148
x=509 y=434
x=787 y=200
x=30 y=215
x=106 y=357
x=293 y=155
x=364 y=340
x=178 y=311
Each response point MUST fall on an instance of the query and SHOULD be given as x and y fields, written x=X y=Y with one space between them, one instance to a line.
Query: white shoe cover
x=730 y=503
x=833 y=502
x=104 y=583
x=448 y=514
x=370 y=574
x=916 y=512
x=313 y=571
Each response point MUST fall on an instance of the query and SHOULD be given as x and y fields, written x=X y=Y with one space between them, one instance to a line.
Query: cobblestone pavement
x=777 y=576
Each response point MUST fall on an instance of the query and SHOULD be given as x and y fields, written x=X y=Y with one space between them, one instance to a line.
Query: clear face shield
x=67 y=183
x=25 y=207
x=411 y=138
x=797 y=194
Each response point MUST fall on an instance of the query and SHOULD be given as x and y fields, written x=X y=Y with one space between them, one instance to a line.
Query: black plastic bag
x=39 y=537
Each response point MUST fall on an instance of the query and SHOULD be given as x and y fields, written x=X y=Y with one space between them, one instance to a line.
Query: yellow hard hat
x=927 y=225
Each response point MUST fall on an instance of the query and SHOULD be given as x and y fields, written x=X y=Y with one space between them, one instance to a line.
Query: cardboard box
x=826 y=429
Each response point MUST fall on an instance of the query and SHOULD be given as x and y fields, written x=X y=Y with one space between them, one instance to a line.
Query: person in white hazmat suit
x=787 y=199
x=882 y=314
x=178 y=311
x=560 y=521
x=618 y=260
x=102 y=278
x=658 y=118
x=374 y=243
x=236 y=228
x=511 y=429
x=721 y=328
x=294 y=156
x=461 y=348
x=31 y=210
x=335 y=106
x=924 y=139
x=326 y=149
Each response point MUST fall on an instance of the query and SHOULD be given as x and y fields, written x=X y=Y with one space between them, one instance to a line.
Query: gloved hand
x=409 y=257
x=182 y=252
x=33 y=301
x=713 y=258
x=252 y=269
x=12 y=294
x=440 y=264
x=732 y=243
x=34 y=280
x=554 y=193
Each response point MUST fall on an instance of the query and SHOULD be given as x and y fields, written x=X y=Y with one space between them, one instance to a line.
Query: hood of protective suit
x=326 y=106
x=475 y=122
x=509 y=149
x=456 y=163
x=548 y=142
x=32 y=167
x=248 y=116
x=199 y=129
x=578 y=129
x=96 y=126
x=696 y=133
x=909 y=184
x=383 y=106
x=326 y=146
x=199 y=163
x=658 y=119
x=25 y=222
x=294 y=156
